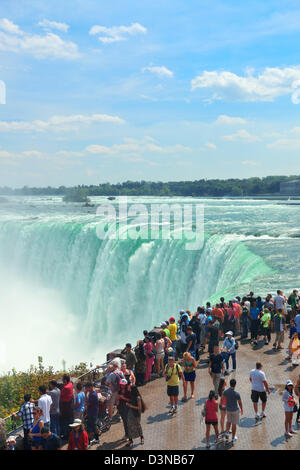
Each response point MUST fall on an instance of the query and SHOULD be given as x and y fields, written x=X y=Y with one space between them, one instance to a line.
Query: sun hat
x=229 y=333
x=77 y=422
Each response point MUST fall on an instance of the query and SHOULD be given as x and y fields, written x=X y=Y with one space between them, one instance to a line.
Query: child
x=211 y=417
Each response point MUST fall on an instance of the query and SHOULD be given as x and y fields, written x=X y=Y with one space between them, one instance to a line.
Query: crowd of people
x=71 y=413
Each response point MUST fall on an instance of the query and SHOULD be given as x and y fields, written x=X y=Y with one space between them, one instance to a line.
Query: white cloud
x=285 y=144
x=229 y=120
x=12 y=39
x=117 y=33
x=135 y=148
x=250 y=163
x=241 y=135
x=161 y=71
x=267 y=86
x=210 y=145
x=47 y=24
x=58 y=123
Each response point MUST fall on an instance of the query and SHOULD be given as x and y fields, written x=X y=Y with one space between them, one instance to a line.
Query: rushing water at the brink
x=67 y=295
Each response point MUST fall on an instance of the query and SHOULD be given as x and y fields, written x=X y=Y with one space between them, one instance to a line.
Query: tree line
x=233 y=187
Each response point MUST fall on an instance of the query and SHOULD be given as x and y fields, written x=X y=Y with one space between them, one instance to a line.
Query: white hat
x=77 y=422
x=11 y=439
x=289 y=382
x=229 y=333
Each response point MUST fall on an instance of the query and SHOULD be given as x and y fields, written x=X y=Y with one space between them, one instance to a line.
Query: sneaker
x=171 y=410
x=234 y=439
x=175 y=410
x=226 y=372
x=292 y=431
x=94 y=442
x=226 y=435
x=287 y=434
x=262 y=415
x=257 y=417
x=207 y=445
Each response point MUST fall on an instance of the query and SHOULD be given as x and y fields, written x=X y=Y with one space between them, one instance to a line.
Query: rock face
x=2 y=434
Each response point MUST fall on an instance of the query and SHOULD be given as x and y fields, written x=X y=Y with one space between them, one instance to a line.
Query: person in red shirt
x=78 y=437
x=66 y=406
x=211 y=416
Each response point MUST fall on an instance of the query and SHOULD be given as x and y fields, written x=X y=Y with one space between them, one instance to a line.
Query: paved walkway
x=186 y=429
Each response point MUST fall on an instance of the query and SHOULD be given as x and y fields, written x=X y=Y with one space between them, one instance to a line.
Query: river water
x=67 y=295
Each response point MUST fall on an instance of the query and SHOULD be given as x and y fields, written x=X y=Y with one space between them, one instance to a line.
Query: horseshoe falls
x=67 y=295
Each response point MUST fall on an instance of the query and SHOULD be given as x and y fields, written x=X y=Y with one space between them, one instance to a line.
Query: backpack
x=290 y=300
x=176 y=370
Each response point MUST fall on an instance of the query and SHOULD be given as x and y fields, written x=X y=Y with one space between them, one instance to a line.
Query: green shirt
x=265 y=319
x=167 y=331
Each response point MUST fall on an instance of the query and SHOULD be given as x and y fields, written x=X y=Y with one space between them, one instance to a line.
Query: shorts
x=36 y=444
x=113 y=399
x=279 y=336
x=233 y=417
x=91 y=424
x=214 y=423
x=190 y=376
x=222 y=408
x=173 y=391
x=255 y=395
x=160 y=356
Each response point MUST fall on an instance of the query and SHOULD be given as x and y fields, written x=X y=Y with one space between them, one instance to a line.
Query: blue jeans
x=54 y=424
x=233 y=358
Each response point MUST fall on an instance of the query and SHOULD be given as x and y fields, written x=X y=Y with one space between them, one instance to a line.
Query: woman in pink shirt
x=211 y=417
x=148 y=346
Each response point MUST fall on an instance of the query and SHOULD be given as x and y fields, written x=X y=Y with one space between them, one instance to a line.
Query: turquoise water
x=67 y=295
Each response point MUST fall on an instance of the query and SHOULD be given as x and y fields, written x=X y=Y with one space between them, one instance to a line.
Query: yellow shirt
x=174 y=380
x=173 y=331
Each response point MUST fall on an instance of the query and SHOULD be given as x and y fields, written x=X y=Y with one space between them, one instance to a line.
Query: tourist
x=279 y=327
x=50 y=441
x=294 y=349
x=289 y=403
x=279 y=301
x=189 y=372
x=167 y=345
x=245 y=320
x=293 y=301
x=229 y=351
x=231 y=316
x=211 y=416
x=136 y=407
x=10 y=443
x=183 y=322
x=113 y=381
x=54 y=393
x=213 y=336
x=222 y=403
x=124 y=397
x=196 y=328
x=216 y=367
x=173 y=332
x=44 y=402
x=265 y=324
x=297 y=392
x=297 y=321
x=255 y=320
x=129 y=357
x=191 y=341
x=26 y=413
x=233 y=404
x=150 y=358
x=66 y=406
x=92 y=411
x=140 y=366
x=202 y=318
x=79 y=402
x=172 y=374
x=78 y=437
x=35 y=431
x=128 y=374
x=218 y=314
x=165 y=327
x=160 y=354
x=259 y=390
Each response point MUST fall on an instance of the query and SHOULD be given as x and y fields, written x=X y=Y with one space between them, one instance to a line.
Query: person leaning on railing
x=26 y=413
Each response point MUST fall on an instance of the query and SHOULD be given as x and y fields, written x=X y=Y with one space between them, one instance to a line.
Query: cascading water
x=73 y=296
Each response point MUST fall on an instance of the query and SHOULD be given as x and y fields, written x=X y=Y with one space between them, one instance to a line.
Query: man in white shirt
x=259 y=388
x=44 y=402
x=279 y=301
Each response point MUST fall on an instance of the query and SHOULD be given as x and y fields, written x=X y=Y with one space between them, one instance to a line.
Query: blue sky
x=164 y=90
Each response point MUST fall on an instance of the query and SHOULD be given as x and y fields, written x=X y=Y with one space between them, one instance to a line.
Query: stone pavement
x=186 y=429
